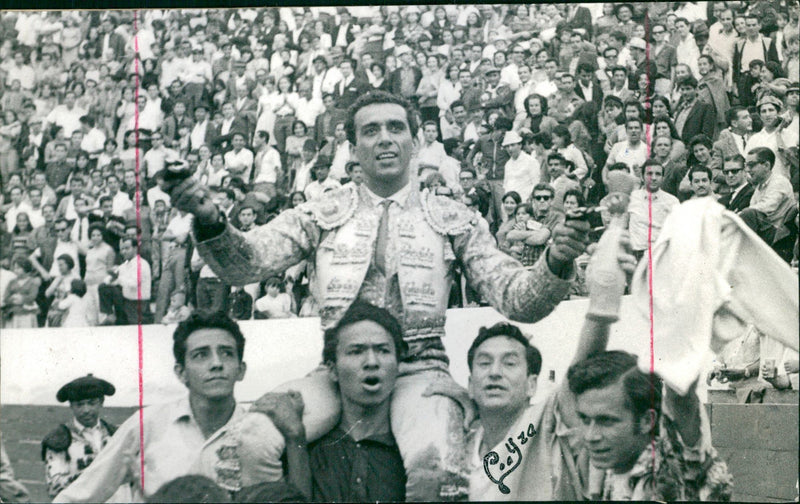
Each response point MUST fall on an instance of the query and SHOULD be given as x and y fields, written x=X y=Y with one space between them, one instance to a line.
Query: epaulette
x=334 y=208
x=111 y=428
x=447 y=216
x=58 y=440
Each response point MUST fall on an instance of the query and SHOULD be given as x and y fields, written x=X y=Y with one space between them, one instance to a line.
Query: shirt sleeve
x=523 y=295
x=116 y=464
x=771 y=200
x=241 y=258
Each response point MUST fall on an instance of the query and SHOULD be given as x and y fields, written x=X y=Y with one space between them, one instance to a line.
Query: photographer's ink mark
x=512 y=460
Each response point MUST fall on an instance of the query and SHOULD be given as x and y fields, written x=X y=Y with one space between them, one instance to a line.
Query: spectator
x=274 y=304
x=125 y=295
x=772 y=198
x=649 y=208
x=693 y=116
x=322 y=183
x=741 y=190
x=521 y=172
x=19 y=306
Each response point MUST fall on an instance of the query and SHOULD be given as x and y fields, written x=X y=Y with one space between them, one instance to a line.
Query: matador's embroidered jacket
x=427 y=233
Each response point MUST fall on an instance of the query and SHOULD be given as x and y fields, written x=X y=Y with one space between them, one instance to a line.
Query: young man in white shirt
x=188 y=436
x=649 y=208
x=522 y=171
x=125 y=299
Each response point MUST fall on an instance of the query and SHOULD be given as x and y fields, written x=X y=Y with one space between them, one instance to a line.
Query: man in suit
x=405 y=79
x=741 y=190
x=343 y=34
x=349 y=88
x=693 y=117
x=325 y=123
x=588 y=87
x=579 y=19
x=203 y=131
x=112 y=45
x=733 y=139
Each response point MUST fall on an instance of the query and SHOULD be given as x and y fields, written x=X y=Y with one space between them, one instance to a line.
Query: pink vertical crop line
x=138 y=245
x=648 y=90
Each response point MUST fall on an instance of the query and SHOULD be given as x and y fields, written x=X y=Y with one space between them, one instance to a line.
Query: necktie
x=383 y=237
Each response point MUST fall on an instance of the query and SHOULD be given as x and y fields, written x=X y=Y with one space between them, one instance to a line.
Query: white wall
x=37 y=362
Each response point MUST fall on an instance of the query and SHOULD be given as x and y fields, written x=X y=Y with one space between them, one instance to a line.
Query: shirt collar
x=399 y=197
x=79 y=427
x=386 y=438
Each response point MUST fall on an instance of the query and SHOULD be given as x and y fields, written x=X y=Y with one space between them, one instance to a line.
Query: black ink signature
x=512 y=460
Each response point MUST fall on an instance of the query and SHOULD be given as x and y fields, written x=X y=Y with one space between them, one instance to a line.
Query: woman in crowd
x=76 y=306
x=537 y=119
x=20 y=308
x=439 y=26
x=275 y=304
x=9 y=131
x=100 y=258
x=511 y=200
x=562 y=143
x=131 y=153
x=296 y=198
x=23 y=242
x=663 y=126
x=215 y=172
x=294 y=146
x=109 y=152
x=125 y=113
x=379 y=73
x=59 y=289
x=285 y=112
x=428 y=89
x=607 y=22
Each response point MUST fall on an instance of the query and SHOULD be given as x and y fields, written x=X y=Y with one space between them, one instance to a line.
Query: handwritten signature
x=510 y=462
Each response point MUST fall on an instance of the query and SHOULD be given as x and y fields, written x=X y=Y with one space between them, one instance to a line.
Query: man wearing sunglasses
x=741 y=190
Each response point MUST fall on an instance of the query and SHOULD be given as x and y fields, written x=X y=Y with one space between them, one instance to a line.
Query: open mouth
x=371 y=383
x=494 y=388
x=386 y=156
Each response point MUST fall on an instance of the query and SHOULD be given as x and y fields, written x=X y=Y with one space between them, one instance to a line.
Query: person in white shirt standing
x=649 y=208
x=522 y=171
x=94 y=139
x=125 y=299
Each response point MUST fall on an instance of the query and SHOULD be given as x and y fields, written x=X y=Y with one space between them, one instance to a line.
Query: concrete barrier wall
x=36 y=362
x=760 y=444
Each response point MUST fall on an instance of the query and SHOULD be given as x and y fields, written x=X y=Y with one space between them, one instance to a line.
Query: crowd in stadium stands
x=524 y=110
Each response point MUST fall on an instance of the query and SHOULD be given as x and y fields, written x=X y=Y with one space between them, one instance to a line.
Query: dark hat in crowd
x=85 y=387
x=323 y=161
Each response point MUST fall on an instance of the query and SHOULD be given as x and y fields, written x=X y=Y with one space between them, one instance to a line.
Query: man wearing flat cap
x=71 y=447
